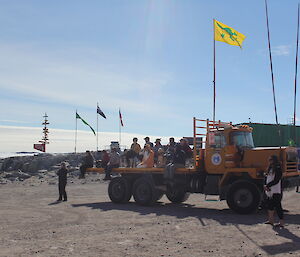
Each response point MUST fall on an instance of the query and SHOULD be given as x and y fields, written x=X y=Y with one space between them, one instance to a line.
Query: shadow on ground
x=54 y=203
x=180 y=211
x=223 y=217
x=283 y=248
x=287 y=247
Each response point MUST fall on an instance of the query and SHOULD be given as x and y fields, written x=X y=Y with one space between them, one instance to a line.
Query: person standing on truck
x=62 y=182
x=135 y=146
x=114 y=162
x=181 y=154
x=147 y=142
x=170 y=149
x=156 y=147
x=88 y=162
x=273 y=191
x=134 y=152
x=161 y=159
x=104 y=159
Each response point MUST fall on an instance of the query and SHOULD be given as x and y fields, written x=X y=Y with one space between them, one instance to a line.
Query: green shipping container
x=268 y=134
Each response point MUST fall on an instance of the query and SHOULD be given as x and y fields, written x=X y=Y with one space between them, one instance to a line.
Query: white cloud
x=15 y=121
x=16 y=139
x=281 y=50
x=40 y=74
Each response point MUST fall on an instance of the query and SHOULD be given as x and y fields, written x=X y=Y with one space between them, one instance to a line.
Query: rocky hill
x=40 y=167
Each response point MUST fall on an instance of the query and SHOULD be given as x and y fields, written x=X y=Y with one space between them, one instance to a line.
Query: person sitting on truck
x=147 y=142
x=148 y=158
x=88 y=162
x=62 y=182
x=114 y=162
x=273 y=191
x=181 y=154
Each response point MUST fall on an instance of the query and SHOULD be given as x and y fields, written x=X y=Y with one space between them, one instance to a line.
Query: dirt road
x=31 y=224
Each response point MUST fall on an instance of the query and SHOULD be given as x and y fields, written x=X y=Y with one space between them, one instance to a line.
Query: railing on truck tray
x=201 y=128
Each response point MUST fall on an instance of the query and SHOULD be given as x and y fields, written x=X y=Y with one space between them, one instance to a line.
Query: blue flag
x=99 y=111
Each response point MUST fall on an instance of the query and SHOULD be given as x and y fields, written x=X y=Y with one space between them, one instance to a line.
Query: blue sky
x=151 y=58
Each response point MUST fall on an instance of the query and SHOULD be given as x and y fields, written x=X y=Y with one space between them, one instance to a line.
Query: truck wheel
x=119 y=190
x=177 y=194
x=144 y=192
x=243 y=197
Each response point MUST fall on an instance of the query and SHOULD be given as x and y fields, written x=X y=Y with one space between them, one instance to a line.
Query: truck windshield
x=242 y=139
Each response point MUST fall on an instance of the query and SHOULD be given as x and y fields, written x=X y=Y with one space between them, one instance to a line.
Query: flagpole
x=296 y=72
x=75 y=131
x=97 y=126
x=119 y=127
x=214 y=80
x=272 y=75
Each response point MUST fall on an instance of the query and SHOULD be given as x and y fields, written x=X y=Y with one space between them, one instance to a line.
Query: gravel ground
x=32 y=224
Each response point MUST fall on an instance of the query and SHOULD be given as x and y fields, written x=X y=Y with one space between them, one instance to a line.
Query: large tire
x=243 y=197
x=119 y=190
x=144 y=192
x=177 y=194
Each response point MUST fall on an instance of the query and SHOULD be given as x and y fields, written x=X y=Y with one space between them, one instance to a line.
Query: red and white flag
x=121 y=120
x=40 y=147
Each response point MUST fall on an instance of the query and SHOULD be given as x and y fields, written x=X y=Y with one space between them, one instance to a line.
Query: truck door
x=215 y=151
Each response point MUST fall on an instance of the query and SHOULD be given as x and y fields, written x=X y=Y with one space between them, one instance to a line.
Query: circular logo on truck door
x=216 y=159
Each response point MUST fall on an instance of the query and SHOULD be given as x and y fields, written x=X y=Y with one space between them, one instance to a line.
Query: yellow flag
x=228 y=35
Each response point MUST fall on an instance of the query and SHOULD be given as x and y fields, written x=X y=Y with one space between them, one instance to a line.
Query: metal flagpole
x=97 y=126
x=119 y=128
x=296 y=72
x=214 y=81
x=272 y=75
x=75 y=131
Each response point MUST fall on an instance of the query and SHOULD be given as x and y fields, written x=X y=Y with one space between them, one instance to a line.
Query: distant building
x=268 y=135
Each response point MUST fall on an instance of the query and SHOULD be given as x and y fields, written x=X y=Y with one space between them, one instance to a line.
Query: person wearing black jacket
x=62 y=182
x=88 y=162
x=181 y=154
x=273 y=191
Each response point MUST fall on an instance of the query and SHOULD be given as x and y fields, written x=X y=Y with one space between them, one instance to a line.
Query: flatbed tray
x=143 y=170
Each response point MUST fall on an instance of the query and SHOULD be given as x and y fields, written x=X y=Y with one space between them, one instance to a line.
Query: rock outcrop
x=39 y=166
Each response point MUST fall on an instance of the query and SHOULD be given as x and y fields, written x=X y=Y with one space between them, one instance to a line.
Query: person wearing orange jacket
x=148 y=158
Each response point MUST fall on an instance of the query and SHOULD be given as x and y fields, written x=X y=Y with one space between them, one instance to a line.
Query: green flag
x=78 y=117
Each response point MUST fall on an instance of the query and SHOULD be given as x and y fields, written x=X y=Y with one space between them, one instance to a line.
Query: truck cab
x=225 y=147
x=235 y=168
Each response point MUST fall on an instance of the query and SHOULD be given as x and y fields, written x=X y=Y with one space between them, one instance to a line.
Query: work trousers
x=83 y=168
x=170 y=170
x=62 y=190
x=109 y=169
x=274 y=203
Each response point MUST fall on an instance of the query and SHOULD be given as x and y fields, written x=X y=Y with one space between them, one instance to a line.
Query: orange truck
x=226 y=165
